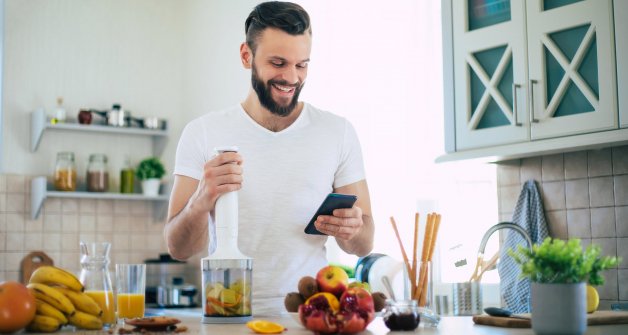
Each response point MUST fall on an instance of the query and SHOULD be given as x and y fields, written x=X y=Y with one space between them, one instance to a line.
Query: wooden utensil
x=483 y=266
x=31 y=262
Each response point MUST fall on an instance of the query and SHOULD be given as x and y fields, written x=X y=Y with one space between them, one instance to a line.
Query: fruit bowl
x=296 y=318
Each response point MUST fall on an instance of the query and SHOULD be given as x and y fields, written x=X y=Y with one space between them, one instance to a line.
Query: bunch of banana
x=60 y=300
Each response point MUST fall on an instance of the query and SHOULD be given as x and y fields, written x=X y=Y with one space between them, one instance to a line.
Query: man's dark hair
x=287 y=16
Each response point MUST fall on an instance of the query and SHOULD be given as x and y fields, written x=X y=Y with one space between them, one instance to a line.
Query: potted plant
x=559 y=271
x=149 y=171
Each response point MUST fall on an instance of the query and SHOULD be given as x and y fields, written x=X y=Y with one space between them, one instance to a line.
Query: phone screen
x=332 y=201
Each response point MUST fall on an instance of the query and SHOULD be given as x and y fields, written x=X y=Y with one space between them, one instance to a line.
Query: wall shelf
x=40 y=191
x=40 y=124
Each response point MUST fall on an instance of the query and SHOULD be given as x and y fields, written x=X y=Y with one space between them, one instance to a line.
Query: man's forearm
x=362 y=244
x=186 y=233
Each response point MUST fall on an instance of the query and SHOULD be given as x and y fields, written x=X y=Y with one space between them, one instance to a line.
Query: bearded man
x=290 y=156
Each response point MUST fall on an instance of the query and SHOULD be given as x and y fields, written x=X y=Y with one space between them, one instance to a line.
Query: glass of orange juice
x=130 y=290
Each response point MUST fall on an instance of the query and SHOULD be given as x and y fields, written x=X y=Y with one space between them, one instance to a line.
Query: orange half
x=265 y=327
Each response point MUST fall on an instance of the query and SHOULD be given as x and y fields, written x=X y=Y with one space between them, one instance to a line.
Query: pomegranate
x=323 y=313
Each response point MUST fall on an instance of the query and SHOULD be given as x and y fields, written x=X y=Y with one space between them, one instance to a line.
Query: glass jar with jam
x=401 y=315
x=97 y=174
x=65 y=172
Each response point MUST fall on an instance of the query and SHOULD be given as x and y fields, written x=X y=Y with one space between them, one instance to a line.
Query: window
x=380 y=66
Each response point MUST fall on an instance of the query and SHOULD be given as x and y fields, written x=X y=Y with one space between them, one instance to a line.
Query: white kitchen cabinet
x=571 y=68
x=525 y=71
x=488 y=61
x=621 y=48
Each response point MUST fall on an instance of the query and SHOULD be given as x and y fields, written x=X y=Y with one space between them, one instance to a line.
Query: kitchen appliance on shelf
x=176 y=294
x=166 y=283
x=227 y=272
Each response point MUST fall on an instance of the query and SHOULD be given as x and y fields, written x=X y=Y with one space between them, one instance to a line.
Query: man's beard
x=264 y=94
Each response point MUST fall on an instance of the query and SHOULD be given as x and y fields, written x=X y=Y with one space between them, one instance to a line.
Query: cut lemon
x=265 y=327
x=593 y=299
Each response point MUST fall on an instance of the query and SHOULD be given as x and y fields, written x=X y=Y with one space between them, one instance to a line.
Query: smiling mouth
x=284 y=89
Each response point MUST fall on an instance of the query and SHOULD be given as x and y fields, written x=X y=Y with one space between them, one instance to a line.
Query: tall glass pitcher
x=95 y=277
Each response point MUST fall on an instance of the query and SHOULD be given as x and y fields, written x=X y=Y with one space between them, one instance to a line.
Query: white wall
x=93 y=53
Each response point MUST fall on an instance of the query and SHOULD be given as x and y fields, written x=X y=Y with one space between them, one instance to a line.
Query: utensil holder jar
x=467 y=298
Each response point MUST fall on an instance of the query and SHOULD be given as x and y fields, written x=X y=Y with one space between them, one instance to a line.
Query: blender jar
x=227 y=290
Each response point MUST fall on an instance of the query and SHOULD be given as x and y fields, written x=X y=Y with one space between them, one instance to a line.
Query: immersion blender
x=227 y=272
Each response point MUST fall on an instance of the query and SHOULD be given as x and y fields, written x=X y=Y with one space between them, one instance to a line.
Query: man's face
x=279 y=69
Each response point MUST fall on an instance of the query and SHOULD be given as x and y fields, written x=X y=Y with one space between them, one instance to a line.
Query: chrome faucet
x=503 y=225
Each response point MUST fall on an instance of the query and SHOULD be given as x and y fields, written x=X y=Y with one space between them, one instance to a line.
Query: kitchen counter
x=448 y=325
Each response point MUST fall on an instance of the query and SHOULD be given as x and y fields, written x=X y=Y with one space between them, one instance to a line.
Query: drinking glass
x=130 y=289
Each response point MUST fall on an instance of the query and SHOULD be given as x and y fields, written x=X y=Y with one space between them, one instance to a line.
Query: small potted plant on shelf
x=149 y=171
x=559 y=271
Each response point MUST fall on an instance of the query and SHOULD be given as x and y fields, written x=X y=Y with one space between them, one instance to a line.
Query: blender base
x=229 y=319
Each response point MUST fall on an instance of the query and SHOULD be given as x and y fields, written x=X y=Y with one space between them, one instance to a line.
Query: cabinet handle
x=532 y=118
x=514 y=104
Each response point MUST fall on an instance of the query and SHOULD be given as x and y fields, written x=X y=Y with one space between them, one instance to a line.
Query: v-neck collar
x=298 y=123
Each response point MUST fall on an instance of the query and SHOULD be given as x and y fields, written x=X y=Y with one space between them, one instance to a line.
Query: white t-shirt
x=286 y=174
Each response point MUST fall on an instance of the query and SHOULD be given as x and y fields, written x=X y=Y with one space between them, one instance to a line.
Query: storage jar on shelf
x=126 y=177
x=97 y=174
x=65 y=172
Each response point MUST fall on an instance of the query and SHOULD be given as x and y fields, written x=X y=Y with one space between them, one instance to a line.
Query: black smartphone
x=331 y=202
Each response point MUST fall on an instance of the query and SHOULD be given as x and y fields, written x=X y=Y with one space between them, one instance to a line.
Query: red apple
x=332 y=279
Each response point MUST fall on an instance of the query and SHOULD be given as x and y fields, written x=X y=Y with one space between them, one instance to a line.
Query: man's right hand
x=221 y=174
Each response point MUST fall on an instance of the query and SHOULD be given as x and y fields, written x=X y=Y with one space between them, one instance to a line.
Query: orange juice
x=130 y=305
x=105 y=300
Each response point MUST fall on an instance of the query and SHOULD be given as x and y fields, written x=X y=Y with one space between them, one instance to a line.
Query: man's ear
x=246 y=55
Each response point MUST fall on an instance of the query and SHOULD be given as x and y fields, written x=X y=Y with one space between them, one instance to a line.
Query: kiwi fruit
x=307 y=287
x=292 y=301
x=379 y=300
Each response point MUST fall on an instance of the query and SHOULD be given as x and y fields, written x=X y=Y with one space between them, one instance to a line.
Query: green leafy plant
x=150 y=167
x=557 y=261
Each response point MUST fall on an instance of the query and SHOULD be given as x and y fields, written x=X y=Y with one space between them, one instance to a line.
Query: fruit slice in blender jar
x=224 y=301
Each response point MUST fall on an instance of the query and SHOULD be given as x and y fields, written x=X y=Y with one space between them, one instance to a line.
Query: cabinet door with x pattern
x=572 y=78
x=490 y=65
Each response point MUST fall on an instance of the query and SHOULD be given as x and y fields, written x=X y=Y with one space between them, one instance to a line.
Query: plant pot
x=150 y=187
x=559 y=308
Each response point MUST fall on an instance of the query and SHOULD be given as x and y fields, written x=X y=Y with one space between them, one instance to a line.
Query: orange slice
x=265 y=327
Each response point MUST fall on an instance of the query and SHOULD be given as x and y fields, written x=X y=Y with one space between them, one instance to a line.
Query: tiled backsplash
x=585 y=195
x=129 y=225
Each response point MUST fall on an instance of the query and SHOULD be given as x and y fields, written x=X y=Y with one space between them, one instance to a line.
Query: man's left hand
x=344 y=224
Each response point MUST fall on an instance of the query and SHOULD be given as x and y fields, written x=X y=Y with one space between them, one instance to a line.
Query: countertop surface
x=191 y=318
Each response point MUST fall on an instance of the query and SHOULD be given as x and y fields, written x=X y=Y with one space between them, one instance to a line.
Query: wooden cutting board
x=31 y=262
x=596 y=318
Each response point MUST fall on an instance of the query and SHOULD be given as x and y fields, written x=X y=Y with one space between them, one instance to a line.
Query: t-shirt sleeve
x=190 y=156
x=351 y=168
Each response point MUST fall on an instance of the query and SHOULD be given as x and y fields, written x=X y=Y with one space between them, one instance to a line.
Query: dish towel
x=530 y=216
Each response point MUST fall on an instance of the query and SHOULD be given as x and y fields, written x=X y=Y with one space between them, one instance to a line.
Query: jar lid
x=98 y=158
x=65 y=154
